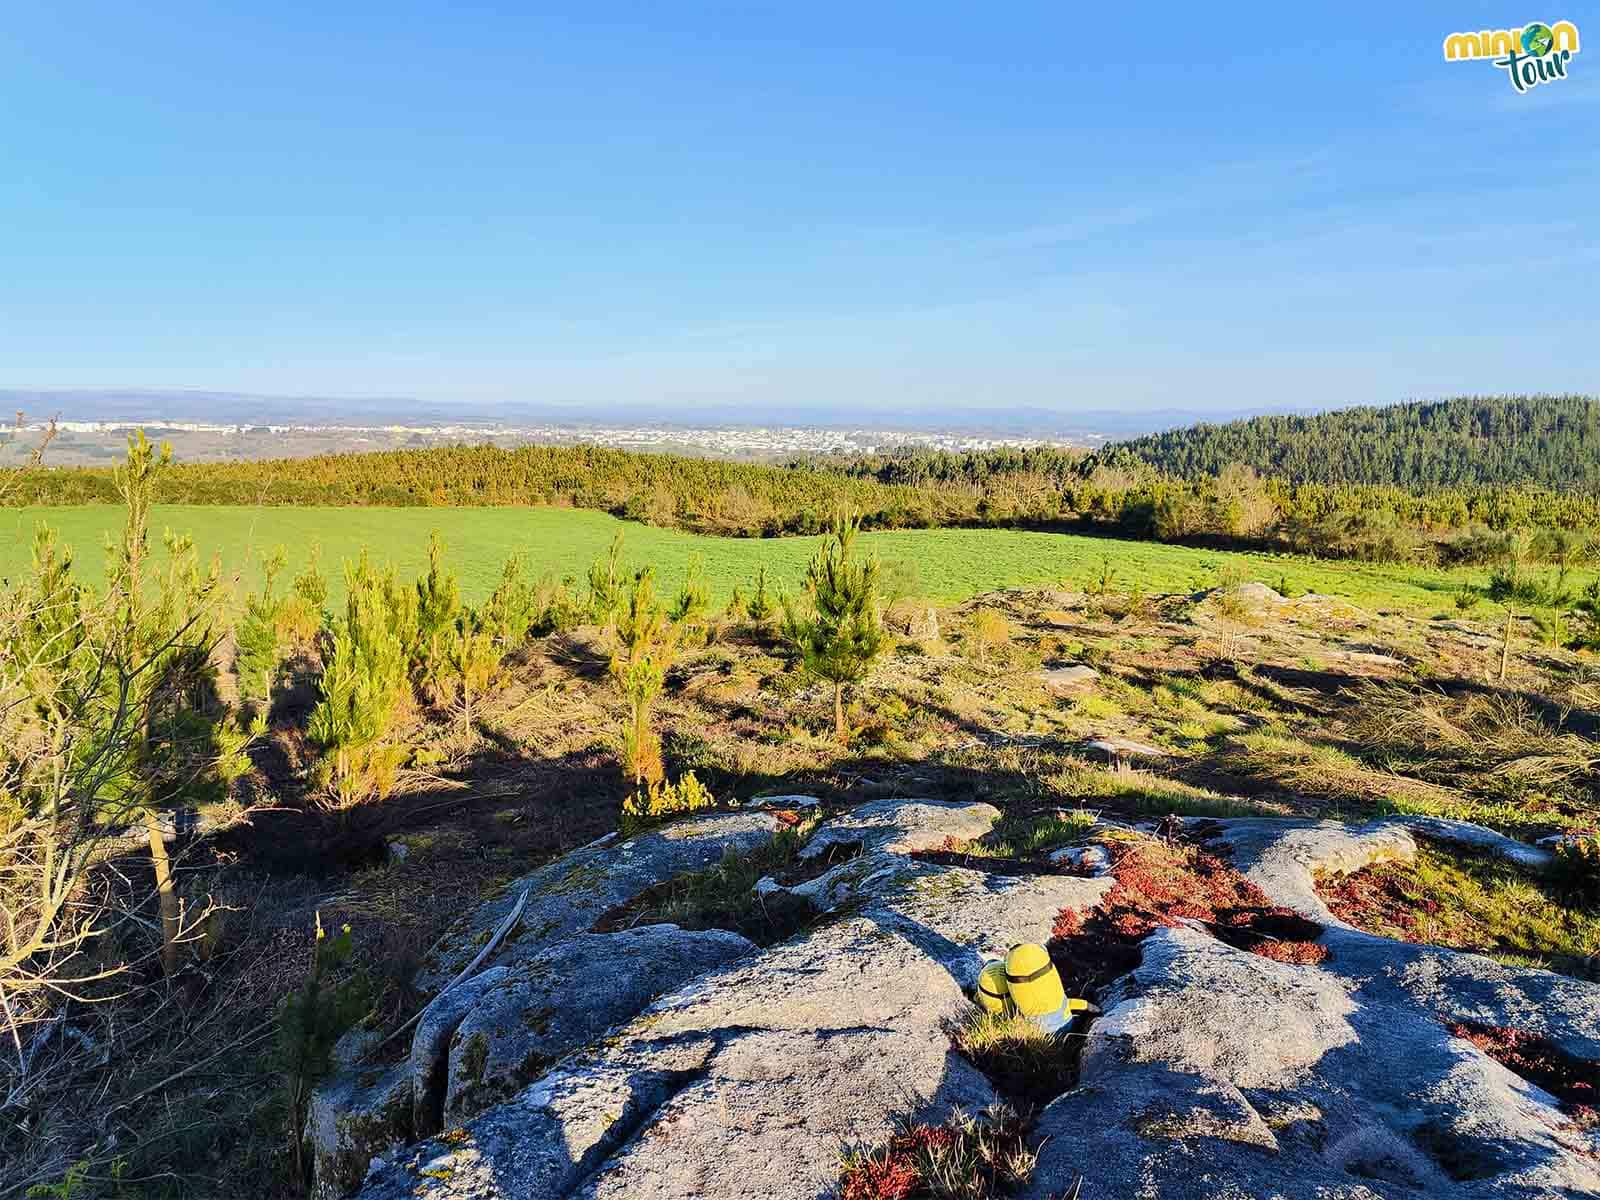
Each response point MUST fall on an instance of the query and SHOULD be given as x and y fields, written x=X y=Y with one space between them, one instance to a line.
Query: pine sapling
x=762 y=605
x=842 y=635
x=647 y=642
x=310 y=1022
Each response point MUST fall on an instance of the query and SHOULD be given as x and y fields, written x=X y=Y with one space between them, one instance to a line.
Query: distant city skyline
x=908 y=209
x=153 y=406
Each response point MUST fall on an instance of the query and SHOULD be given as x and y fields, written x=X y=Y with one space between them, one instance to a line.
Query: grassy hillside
x=1551 y=441
x=944 y=564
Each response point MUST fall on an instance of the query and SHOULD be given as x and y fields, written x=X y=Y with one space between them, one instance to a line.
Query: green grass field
x=949 y=564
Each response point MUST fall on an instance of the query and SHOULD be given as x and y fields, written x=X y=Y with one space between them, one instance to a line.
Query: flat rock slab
x=1091 y=860
x=1213 y=1073
x=786 y=802
x=903 y=826
x=1203 y=1046
x=361 y=1112
x=1069 y=680
x=569 y=895
x=1475 y=837
x=1121 y=749
x=1281 y=856
x=564 y=998
x=746 y=1083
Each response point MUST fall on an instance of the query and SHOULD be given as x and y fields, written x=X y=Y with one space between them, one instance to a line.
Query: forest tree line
x=1469 y=441
x=1113 y=490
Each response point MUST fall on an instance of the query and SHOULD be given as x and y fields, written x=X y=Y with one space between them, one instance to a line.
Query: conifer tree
x=694 y=597
x=438 y=607
x=258 y=644
x=473 y=660
x=760 y=605
x=513 y=606
x=165 y=646
x=843 y=635
x=647 y=642
x=364 y=680
x=606 y=584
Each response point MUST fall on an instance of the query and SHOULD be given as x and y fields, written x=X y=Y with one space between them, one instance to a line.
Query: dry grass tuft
x=1021 y=1059
x=1515 y=760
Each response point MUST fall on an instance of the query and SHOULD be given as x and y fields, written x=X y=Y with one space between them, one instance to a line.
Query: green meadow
x=945 y=564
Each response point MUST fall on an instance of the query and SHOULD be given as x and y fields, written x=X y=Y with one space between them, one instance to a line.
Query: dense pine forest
x=1549 y=441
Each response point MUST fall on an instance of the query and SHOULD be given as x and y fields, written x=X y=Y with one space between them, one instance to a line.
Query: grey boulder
x=569 y=895
x=545 y=1006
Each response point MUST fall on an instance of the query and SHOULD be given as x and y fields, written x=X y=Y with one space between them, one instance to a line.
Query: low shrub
x=1163 y=884
x=1478 y=902
x=990 y=633
x=660 y=800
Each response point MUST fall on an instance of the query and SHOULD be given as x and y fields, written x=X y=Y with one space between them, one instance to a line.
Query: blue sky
x=906 y=206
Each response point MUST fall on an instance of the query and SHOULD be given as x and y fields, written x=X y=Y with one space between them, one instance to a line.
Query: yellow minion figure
x=1034 y=986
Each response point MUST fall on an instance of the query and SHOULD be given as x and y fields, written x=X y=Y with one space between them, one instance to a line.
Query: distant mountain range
x=241 y=408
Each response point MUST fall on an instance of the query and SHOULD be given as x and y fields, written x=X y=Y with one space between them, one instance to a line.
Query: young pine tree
x=512 y=608
x=438 y=607
x=694 y=597
x=365 y=683
x=161 y=636
x=760 y=606
x=646 y=642
x=258 y=641
x=303 y=611
x=607 y=587
x=473 y=660
x=140 y=636
x=311 y=1020
x=843 y=635
x=108 y=714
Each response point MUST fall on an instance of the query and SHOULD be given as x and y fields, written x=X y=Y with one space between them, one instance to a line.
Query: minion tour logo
x=1532 y=55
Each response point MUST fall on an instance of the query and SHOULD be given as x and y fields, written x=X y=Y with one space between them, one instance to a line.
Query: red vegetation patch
x=1573 y=1081
x=1382 y=896
x=969 y=1158
x=893 y=1176
x=1162 y=884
